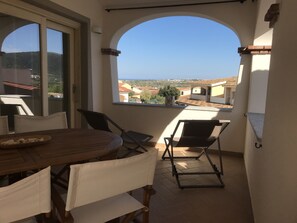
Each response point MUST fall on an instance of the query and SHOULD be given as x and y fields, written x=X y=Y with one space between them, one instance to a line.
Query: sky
x=26 y=39
x=175 y=47
x=178 y=47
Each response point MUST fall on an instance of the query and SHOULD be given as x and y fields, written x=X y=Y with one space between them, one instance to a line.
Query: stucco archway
x=158 y=121
x=122 y=30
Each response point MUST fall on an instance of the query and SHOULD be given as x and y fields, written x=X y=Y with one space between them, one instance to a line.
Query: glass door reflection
x=58 y=69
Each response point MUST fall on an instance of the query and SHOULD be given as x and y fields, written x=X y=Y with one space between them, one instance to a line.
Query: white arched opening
x=217 y=49
x=160 y=120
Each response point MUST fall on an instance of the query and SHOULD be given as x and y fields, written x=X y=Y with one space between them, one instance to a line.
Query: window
x=196 y=55
x=36 y=63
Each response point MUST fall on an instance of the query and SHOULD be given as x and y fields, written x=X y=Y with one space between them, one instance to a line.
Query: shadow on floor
x=206 y=205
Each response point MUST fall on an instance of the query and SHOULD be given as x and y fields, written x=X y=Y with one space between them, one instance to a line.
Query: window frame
x=47 y=19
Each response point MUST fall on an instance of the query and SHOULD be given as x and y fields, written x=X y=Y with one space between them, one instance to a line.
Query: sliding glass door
x=36 y=66
x=59 y=63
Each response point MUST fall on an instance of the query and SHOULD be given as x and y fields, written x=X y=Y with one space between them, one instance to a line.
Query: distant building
x=230 y=88
x=185 y=91
x=220 y=91
x=18 y=81
x=128 y=86
x=124 y=93
x=216 y=91
x=125 y=89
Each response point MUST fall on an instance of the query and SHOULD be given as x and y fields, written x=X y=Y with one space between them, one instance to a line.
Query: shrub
x=169 y=91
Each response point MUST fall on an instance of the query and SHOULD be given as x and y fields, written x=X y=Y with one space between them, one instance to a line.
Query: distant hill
x=179 y=83
x=160 y=83
x=30 y=60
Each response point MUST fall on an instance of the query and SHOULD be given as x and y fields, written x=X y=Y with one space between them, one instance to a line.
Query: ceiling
x=111 y=4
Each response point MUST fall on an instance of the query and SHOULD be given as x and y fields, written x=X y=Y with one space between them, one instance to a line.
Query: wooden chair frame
x=111 y=197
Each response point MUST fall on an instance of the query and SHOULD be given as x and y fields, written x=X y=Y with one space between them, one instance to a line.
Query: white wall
x=198 y=97
x=217 y=100
x=260 y=63
x=258 y=83
x=272 y=169
x=279 y=137
x=257 y=103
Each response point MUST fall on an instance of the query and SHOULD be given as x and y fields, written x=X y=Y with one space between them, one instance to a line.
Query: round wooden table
x=65 y=147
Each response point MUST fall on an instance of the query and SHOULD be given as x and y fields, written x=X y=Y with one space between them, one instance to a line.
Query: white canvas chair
x=27 y=123
x=4 y=125
x=26 y=198
x=97 y=191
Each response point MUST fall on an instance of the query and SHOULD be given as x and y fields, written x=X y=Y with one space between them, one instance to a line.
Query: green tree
x=157 y=99
x=169 y=91
x=145 y=96
x=55 y=88
x=131 y=93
